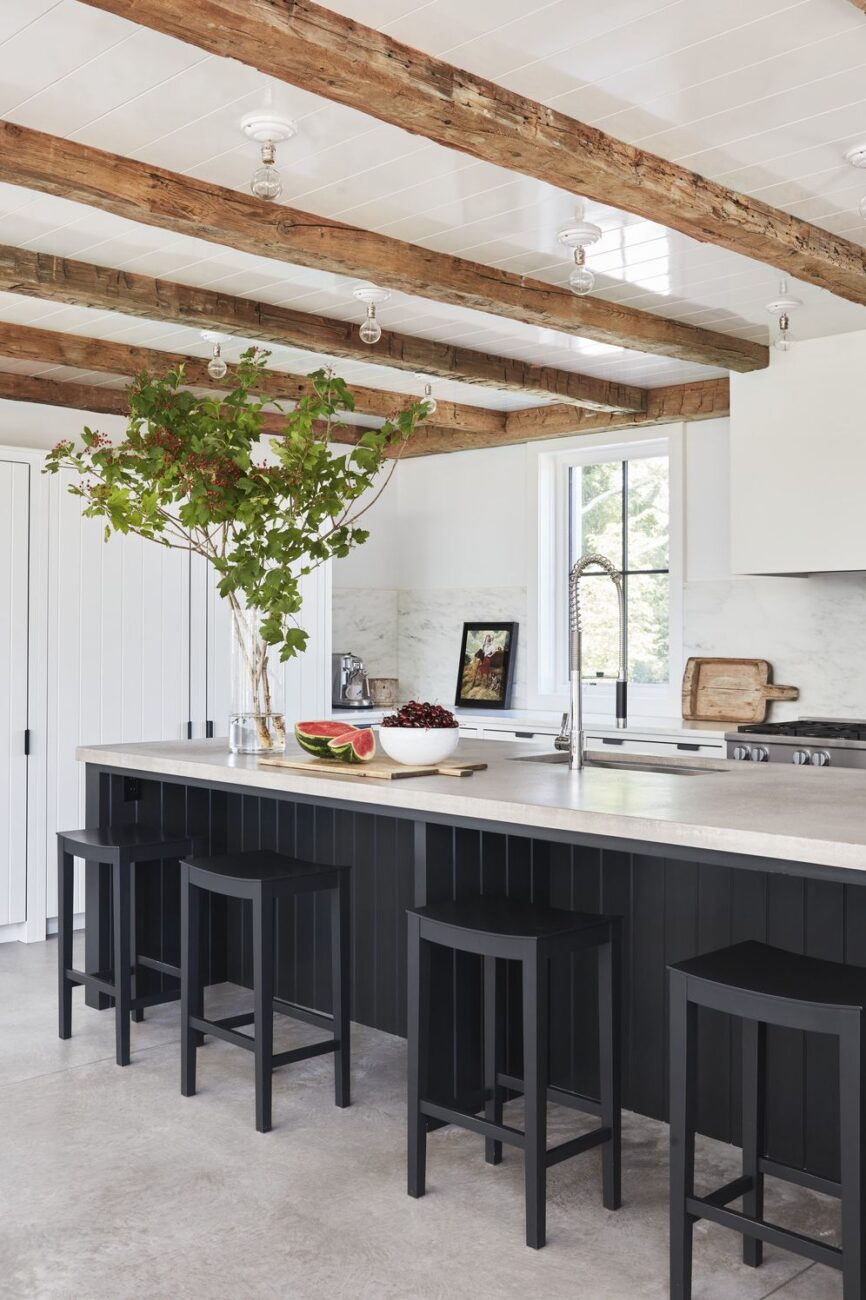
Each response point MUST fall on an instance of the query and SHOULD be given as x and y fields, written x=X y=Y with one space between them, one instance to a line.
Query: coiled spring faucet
x=570 y=737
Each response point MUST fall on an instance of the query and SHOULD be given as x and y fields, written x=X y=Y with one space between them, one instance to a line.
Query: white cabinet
x=14 y=604
x=798 y=461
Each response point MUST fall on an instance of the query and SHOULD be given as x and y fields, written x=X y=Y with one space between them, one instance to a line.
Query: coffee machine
x=349 y=686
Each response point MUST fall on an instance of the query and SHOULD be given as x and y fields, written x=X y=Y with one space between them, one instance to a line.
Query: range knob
x=760 y=754
x=741 y=752
x=821 y=758
x=801 y=757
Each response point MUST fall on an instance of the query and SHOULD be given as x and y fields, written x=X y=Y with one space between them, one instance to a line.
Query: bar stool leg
x=683 y=1074
x=610 y=1051
x=191 y=994
x=535 y=1030
x=138 y=1012
x=65 y=884
x=418 y=1016
x=493 y=1015
x=263 y=995
x=122 y=958
x=852 y=1083
x=754 y=1049
x=340 y=983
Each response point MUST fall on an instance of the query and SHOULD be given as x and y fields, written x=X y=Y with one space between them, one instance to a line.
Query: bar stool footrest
x=304 y=1053
x=555 y=1096
x=154 y=999
x=465 y=1119
x=703 y=1207
x=321 y=1019
x=103 y=981
x=576 y=1146
x=161 y=967
x=790 y=1174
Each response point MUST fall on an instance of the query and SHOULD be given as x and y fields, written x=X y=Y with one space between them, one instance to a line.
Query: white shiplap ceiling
x=763 y=95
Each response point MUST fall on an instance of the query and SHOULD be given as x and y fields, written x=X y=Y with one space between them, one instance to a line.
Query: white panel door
x=14 y=624
x=118 y=656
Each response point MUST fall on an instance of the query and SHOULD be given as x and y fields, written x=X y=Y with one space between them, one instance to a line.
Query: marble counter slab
x=797 y=815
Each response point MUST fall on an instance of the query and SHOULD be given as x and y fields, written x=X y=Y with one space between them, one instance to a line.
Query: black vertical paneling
x=647 y=1067
x=825 y=937
x=786 y=1053
x=670 y=910
x=714 y=1029
x=616 y=884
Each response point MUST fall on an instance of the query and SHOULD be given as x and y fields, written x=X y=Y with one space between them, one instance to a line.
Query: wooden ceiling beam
x=333 y=56
x=707 y=399
x=154 y=196
x=58 y=279
x=26 y=343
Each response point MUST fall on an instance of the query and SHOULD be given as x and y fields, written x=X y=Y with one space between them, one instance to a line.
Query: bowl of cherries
x=419 y=734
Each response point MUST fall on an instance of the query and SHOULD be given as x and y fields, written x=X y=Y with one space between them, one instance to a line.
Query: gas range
x=815 y=742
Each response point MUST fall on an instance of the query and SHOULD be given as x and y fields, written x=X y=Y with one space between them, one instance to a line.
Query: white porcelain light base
x=416 y=746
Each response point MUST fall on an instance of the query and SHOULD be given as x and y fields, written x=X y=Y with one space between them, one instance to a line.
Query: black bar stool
x=122 y=847
x=264 y=878
x=500 y=930
x=766 y=986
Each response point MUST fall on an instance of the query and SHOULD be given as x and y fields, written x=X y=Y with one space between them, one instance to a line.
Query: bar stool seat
x=767 y=986
x=123 y=848
x=264 y=878
x=502 y=930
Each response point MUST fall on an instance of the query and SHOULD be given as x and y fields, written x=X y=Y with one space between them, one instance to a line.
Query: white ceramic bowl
x=416 y=745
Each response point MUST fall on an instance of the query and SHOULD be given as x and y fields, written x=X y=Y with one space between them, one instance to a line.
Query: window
x=621 y=509
x=623 y=500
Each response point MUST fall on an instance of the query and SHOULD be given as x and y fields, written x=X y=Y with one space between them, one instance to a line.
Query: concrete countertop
x=799 y=815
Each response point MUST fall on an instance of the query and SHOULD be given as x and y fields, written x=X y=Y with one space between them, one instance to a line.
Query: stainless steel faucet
x=570 y=737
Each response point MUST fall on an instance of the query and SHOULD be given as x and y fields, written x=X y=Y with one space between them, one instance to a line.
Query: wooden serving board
x=379 y=769
x=730 y=690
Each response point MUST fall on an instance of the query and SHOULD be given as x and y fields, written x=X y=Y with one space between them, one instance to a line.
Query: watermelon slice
x=315 y=737
x=355 y=746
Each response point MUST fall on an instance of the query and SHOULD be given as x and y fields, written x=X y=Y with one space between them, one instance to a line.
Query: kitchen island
x=692 y=860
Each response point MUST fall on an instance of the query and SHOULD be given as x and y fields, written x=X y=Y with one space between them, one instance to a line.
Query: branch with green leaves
x=192 y=472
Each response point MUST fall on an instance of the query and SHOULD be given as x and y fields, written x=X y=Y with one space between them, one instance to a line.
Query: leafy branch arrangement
x=192 y=473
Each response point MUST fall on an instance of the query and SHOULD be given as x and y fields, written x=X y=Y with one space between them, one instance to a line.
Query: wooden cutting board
x=380 y=769
x=730 y=690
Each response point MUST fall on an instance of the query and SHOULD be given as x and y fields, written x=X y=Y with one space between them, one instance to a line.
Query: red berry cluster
x=424 y=716
x=216 y=474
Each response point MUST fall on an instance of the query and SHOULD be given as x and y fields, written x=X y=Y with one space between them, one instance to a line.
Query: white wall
x=458 y=533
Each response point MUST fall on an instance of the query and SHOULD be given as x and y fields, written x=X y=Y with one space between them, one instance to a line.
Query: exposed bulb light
x=216 y=367
x=579 y=234
x=266 y=182
x=783 y=342
x=581 y=280
x=429 y=400
x=370 y=331
x=268 y=129
x=782 y=307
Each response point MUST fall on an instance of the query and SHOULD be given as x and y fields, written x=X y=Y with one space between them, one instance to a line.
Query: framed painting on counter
x=486 y=671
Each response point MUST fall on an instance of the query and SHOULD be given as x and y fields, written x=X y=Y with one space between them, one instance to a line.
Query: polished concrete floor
x=112 y=1185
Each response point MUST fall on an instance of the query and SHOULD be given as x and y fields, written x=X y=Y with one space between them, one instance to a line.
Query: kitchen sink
x=621 y=764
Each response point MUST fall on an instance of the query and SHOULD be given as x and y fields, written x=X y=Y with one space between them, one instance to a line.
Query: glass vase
x=257 y=722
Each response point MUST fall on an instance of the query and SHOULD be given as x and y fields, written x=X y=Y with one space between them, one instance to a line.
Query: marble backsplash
x=812 y=630
x=415 y=635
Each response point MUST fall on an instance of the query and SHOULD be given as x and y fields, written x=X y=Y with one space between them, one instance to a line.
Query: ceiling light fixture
x=580 y=234
x=782 y=307
x=268 y=129
x=857 y=158
x=371 y=294
x=429 y=400
x=216 y=367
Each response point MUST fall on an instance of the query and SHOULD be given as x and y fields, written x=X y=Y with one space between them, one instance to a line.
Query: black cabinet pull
x=189 y=731
x=612 y=740
x=524 y=735
x=27 y=741
x=683 y=745
x=208 y=729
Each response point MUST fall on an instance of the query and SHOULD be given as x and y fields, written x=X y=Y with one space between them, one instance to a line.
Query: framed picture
x=486 y=665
